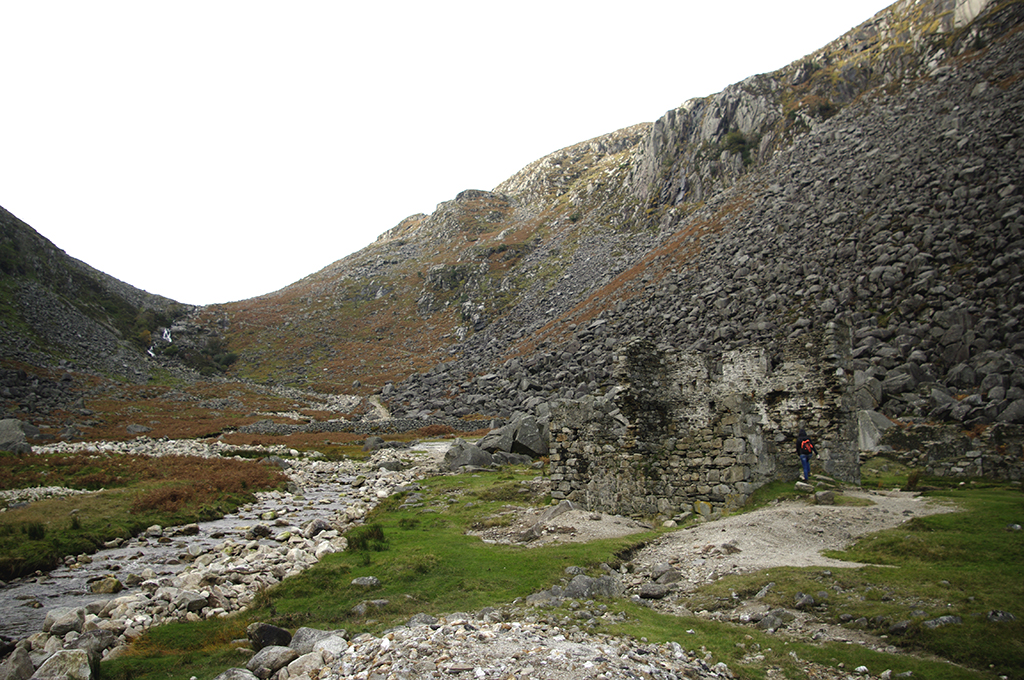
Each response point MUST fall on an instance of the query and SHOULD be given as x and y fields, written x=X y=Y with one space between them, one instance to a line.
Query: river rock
x=95 y=642
x=106 y=585
x=18 y=665
x=305 y=638
x=305 y=664
x=189 y=600
x=63 y=620
x=463 y=453
x=331 y=647
x=237 y=674
x=67 y=664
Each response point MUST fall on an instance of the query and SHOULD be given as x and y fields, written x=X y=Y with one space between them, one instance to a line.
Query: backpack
x=806 y=447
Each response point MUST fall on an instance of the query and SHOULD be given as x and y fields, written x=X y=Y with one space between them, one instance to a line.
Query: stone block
x=737 y=473
x=734 y=445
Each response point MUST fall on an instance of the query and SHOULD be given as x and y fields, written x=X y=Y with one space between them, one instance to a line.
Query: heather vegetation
x=130 y=493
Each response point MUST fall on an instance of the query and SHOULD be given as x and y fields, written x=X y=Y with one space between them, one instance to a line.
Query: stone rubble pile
x=485 y=645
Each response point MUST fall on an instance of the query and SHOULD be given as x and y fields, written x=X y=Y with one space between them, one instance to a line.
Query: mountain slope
x=873 y=183
x=54 y=308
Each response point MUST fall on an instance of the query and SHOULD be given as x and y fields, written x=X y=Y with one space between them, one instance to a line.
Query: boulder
x=1013 y=413
x=95 y=642
x=237 y=674
x=305 y=664
x=871 y=425
x=462 y=453
x=106 y=585
x=67 y=664
x=189 y=600
x=18 y=665
x=63 y=620
x=265 y=635
x=529 y=439
x=584 y=587
x=654 y=591
x=271 y=659
x=331 y=647
x=524 y=435
x=12 y=436
x=305 y=638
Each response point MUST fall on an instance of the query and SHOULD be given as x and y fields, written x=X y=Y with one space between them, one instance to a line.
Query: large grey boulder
x=523 y=435
x=871 y=425
x=12 y=436
x=69 y=664
x=583 y=587
x=63 y=620
x=305 y=638
x=95 y=642
x=237 y=674
x=462 y=453
x=305 y=664
x=1014 y=413
x=265 y=635
x=271 y=659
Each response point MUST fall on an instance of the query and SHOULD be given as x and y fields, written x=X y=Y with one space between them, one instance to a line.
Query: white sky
x=212 y=151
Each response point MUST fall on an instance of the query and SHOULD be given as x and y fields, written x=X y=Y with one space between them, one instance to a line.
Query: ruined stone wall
x=688 y=432
x=946 y=450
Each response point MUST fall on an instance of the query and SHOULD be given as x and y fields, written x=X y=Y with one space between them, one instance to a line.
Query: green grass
x=750 y=653
x=963 y=563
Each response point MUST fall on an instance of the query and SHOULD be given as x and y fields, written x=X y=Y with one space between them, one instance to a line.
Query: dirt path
x=782 y=534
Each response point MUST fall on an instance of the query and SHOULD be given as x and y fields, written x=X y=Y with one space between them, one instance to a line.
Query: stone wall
x=944 y=450
x=691 y=432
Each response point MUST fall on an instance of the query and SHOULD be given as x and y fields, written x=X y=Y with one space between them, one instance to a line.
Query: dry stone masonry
x=683 y=432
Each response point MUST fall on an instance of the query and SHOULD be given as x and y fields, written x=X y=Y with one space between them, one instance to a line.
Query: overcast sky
x=218 y=150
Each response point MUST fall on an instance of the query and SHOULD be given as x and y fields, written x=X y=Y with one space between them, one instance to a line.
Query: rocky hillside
x=56 y=310
x=875 y=183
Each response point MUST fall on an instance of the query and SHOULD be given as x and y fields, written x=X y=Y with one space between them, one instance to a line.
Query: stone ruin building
x=690 y=432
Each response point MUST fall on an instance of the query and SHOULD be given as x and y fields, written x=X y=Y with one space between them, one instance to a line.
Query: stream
x=325 y=490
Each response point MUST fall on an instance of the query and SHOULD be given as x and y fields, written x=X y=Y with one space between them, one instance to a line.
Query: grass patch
x=963 y=564
x=755 y=655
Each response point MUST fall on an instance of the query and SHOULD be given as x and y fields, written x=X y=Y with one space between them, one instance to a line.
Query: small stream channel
x=25 y=602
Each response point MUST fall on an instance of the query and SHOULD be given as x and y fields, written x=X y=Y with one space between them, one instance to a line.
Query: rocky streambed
x=201 y=570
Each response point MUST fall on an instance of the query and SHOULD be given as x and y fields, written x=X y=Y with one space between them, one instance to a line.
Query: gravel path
x=783 y=534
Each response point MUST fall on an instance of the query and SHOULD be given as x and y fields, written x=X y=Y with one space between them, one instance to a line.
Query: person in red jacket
x=804 y=449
